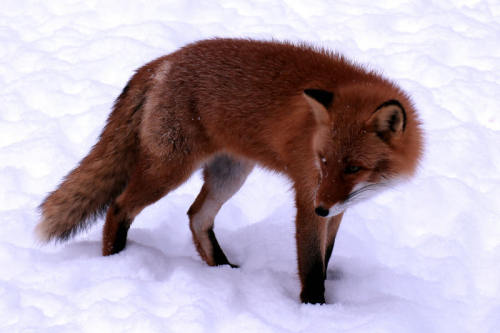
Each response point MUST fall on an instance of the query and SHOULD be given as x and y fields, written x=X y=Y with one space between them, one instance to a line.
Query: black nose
x=321 y=211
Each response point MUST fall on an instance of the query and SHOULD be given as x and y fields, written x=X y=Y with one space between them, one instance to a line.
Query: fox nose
x=321 y=211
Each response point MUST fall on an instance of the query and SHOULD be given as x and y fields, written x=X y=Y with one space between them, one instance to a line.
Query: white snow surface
x=421 y=257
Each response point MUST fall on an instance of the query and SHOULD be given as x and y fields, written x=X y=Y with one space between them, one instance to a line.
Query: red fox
x=336 y=130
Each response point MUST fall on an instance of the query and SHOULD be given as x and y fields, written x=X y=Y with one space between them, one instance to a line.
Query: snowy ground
x=424 y=257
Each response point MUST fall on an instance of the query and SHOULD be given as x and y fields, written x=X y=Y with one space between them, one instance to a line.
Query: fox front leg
x=333 y=225
x=311 y=241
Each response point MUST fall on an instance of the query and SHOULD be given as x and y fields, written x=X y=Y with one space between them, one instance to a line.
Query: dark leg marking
x=218 y=255
x=314 y=284
x=121 y=236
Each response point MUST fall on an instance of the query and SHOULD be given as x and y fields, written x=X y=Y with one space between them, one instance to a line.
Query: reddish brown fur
x=225 y=104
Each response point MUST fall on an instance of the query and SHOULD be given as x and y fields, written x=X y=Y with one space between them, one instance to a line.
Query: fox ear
x=388 y=120
x=320 y=101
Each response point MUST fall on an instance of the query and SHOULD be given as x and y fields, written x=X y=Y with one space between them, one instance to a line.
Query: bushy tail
x=101 y=176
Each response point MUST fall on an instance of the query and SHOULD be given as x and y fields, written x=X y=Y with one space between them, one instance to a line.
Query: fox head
x=368 y=136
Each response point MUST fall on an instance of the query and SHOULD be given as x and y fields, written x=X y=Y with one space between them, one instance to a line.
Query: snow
x=422 y=257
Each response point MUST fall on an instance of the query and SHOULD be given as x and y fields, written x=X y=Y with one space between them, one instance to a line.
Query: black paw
x=225 y=262
x=313 y=296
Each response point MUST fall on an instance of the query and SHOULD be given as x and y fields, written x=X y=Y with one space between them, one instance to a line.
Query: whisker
x=367 y=190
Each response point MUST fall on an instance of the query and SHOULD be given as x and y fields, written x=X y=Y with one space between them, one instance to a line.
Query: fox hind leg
x=115 y=230
x=224 y=175
x=147 y=185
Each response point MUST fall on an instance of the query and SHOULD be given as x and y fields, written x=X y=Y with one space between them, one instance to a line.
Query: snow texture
x=422 y=257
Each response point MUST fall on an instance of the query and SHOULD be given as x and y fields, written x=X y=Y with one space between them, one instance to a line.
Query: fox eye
x=351 y=169
x=322 y=159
